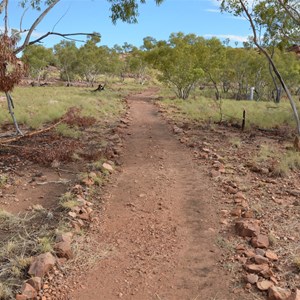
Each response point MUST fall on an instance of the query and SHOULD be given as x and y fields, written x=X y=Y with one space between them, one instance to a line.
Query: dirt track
x=160 y=221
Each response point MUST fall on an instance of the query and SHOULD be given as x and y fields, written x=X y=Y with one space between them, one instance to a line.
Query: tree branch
x=34 y=25
x=5 y=2
x=287 y=9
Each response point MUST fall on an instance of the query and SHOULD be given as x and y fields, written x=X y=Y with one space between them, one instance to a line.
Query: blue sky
x=201 y=17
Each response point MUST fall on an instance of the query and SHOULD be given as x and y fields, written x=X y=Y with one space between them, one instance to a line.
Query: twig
x=64 y=181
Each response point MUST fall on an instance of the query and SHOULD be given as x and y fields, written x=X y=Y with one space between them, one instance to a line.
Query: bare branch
x=61 y=18
x=5 y=2
x=64 y=35
x=21 y=21
x=34 y=25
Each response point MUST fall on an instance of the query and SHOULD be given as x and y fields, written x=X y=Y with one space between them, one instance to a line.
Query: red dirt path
x=159 y=221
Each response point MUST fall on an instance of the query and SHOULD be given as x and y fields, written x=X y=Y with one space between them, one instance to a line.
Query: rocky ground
x=190 y=211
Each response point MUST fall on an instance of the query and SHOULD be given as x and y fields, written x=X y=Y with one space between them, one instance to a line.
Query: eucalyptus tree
x=38 y=58
x=66 y=55
x=179 y=61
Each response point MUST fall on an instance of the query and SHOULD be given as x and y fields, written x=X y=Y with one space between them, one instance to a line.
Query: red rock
x=240 y=195
x=63 y=249
x=236 y=212
x=64 y=237
x=42 y=264
x=264 y=285
x=248 y=214
x=260 y=241
x=231 y=190
x=277 y=293
x=271 y=255
x=21 y=297
x=247 y=227
x=35 y=282
x=84 y=216
x=252 y=278
x=257 y=269
x=260 y=259
x=28 y=291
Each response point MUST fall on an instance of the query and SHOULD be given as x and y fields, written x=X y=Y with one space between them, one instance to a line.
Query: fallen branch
x=3 y=143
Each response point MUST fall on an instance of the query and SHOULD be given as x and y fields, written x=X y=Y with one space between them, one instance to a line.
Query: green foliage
x=67 y=131
x=38 y=58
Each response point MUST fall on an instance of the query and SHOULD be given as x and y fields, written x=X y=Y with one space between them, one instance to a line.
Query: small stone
x=21 y=297
x=236 y=212
x=64 y=237
x=260 y=241
x=271 y=255
x=264 y=285
x=72 y=214
x=257 y=269
x=248 y=214
x=260 y=259
x=252 y=278
x=108 y=167
x=277 y=293
x=42 y=264
x=247 y=227
x=28 y=291
x=35 y=282
x=63 y=249
x=260 y=251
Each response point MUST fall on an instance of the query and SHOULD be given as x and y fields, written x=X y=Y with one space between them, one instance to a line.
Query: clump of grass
x=3 y=180
x=45 y=244
x=5 y=292
x=68 y=201
x=7 y=220
x=67 y=131
x=236 y=142
x=296 y=262
x=286 y=163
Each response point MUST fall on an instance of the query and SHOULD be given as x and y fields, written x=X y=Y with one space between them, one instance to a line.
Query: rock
x=252 y=278
x=214 y=173
x=264 y=285
x=35 y=282
x=247 y=227
x=72 y=214
x=271 y=255
x=28 y=291
x=257 y=269
x=64 y=237
x=63 y=249
x=231 y=190
x=177 y=130
x=21 y=297
x=260 y=241
x=277 y=293
x=260 y=259
x=236 y=212
x=248 y=214
x=108 y=167
x=42 y=264
x=296 y=295
x=84 y=216
x=260 y=251
x=240 y=195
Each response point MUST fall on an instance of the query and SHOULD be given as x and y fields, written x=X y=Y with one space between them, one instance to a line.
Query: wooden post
x=244 y=120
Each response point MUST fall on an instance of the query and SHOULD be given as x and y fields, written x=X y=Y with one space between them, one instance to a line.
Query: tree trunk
x=10 y=105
